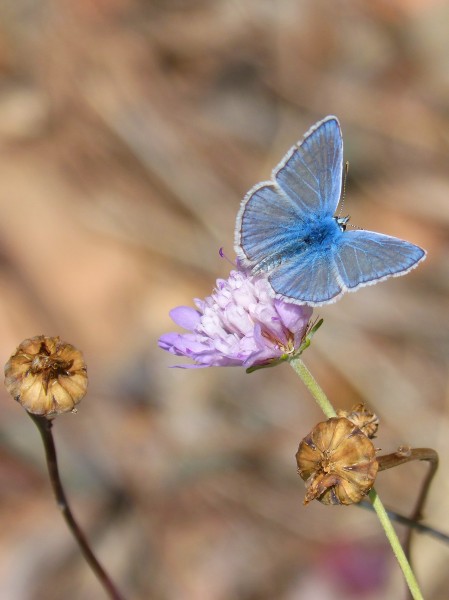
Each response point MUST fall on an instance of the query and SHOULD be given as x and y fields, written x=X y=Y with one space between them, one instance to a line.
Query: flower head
x=240 y=324
x=46 y=376
x=363 y=418
x=337 y=461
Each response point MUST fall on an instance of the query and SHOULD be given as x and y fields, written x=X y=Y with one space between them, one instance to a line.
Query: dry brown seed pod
x=337 y=461
x=363 y=418
x=46 y=376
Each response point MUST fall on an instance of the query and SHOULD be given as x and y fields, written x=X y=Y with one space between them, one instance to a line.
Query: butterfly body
x=296 y=239
x=286 y=228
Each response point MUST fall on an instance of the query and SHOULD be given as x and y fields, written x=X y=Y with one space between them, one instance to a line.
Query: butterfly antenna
x=223 y=255
x=343 y=195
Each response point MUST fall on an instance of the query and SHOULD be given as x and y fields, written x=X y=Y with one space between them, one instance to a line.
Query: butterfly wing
x=365 y=257
x=310 y=173
x=311 y=279
x=275 y=215
x=355 y=259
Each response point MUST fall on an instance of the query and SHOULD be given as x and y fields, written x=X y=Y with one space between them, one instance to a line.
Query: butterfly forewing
x=310 y=174
x=267 y=222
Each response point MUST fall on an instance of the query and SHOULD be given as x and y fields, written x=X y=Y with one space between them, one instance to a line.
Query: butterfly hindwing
x=313 y=279
x=319 y=276
x=365 y=257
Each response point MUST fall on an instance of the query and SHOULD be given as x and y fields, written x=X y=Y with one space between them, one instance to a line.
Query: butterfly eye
x=342 y=222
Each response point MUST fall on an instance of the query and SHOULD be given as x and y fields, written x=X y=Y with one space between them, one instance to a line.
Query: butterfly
x=286 y=228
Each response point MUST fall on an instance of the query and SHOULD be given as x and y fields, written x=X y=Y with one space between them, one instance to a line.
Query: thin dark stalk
x=416 y=525
x=44 y=426
x=401 y=457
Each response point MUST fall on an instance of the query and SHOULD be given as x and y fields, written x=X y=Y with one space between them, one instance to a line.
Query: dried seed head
x=46 y=376
x=363 y=418
x=337 y=461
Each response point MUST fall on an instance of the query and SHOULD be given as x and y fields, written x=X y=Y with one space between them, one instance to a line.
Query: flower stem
x=323 y=402
x=313 y=387
x=44 y=426
x=396 y=546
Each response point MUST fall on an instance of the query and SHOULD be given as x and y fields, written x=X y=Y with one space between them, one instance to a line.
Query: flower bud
x=337 y=461
x=46 y=376
x=363 y=418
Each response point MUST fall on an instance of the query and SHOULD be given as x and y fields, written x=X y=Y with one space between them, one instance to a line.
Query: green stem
x=323 y=402
x=313 y=387
x=396 y=546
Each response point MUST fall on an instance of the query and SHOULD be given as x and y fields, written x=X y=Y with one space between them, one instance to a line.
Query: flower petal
x=185 y=316
x=293 y=316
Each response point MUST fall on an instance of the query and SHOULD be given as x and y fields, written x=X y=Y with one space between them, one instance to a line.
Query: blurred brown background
x=129 y=133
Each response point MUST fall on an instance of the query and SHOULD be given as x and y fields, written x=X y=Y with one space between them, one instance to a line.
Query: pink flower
x=240 y=324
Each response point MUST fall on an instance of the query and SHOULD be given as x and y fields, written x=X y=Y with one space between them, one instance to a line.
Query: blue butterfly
x=286 y=227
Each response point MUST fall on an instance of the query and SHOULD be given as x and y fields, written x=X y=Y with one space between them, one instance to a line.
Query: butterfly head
x=342 y=222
